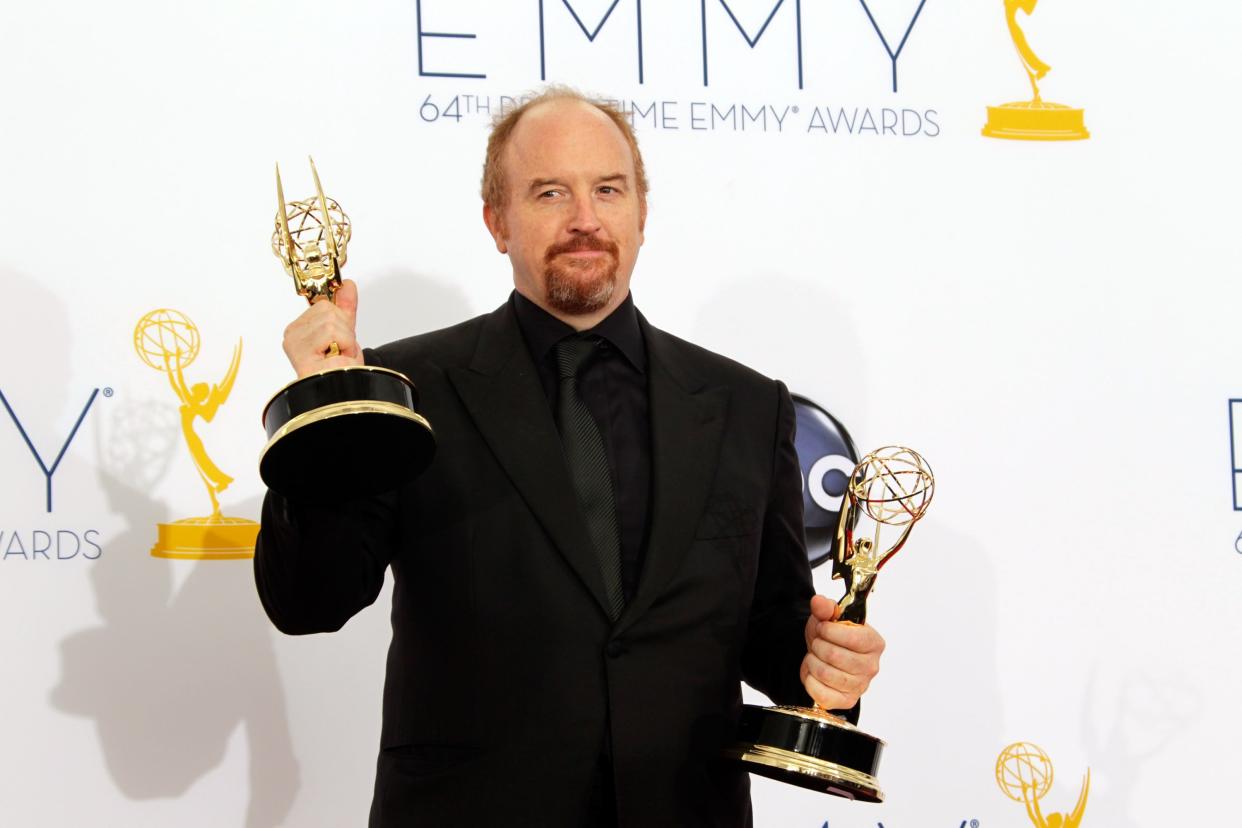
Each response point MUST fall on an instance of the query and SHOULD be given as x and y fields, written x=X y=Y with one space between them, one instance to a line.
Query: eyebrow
x=539 y=183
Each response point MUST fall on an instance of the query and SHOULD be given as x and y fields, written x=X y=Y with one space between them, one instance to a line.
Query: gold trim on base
x=215 y=538
x=852 y=781
x=327 y=412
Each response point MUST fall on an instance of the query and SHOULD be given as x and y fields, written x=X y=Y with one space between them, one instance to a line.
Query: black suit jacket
x=506 y=680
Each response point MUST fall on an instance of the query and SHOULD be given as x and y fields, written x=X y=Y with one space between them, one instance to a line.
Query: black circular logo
x=827 y=456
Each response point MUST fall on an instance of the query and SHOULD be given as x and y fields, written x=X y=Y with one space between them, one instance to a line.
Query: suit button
x=615 y=649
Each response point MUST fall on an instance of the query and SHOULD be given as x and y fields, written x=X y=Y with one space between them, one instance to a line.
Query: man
x=608 y=541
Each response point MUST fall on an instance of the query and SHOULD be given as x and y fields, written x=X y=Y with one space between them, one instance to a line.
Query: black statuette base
x=810 y=749
x=346 y=431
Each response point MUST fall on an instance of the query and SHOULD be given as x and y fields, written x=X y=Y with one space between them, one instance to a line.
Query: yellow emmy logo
x=1024 y=773
x=1036 y=119
x=168 y=341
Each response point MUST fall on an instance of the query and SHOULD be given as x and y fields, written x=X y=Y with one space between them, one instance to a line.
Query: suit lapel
x=501 y=390
x=687 y=422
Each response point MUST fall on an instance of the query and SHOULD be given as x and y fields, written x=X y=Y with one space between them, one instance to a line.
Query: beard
x=578 y=287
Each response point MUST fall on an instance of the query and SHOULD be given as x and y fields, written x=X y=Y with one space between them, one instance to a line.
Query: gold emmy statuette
x=808 y=746
x=1024 y=773
x=168 y=341
x=1036 y=119
x=358 y=425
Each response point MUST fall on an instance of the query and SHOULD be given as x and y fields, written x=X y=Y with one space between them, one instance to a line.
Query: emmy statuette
x=168 y=341
x=359 y=423
x=808 y=746
x=1036 y=119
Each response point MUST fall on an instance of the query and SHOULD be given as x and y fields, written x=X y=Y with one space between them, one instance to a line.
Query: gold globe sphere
x=893 y=485
x=1023 y=766
x=166 y=337
x=306 y=227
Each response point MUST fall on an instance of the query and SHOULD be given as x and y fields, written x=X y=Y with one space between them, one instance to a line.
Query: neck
x=581 y=322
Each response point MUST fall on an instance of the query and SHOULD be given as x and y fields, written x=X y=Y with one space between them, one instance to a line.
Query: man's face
x=573 y=221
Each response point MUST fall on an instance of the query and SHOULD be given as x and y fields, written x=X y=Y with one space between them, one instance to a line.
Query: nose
x=584 y=220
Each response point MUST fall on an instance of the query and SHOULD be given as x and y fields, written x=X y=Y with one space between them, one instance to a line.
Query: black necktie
x=588 y=465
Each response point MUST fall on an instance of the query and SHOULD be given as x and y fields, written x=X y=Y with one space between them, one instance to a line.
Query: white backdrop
x=1052 y=325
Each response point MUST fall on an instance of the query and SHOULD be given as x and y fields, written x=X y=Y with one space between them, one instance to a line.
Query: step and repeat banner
x=1002 y=232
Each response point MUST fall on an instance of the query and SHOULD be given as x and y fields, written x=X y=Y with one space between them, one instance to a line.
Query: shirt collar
x=542 y=330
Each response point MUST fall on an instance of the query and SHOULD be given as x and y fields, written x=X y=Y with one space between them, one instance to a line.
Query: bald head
x=564 y=198
x=494 y=186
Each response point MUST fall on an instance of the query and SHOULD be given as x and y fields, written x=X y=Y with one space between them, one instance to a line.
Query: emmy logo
x=1036 y=119
x=1024 y=773
x=168 y=341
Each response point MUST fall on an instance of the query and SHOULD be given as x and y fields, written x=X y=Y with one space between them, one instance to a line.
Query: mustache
x=580 y=243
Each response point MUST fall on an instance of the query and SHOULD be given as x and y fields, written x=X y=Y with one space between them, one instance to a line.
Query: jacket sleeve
x=315 y=565
x=775 y=642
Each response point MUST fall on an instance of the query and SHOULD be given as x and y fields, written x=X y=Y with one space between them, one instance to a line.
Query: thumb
x=824 y=609
x=346 y=297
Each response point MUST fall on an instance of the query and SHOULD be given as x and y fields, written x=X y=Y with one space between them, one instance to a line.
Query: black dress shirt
x=614 y=388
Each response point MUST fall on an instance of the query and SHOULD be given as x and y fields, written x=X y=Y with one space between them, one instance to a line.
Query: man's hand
x=841 y=658
x=308 y=338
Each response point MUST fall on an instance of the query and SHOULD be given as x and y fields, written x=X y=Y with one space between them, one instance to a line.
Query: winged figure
x=1035 y=68
x=203 y=401
x=1071 y=820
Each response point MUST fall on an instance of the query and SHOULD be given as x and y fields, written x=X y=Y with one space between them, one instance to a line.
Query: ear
x=495 y=226
x=642 y=220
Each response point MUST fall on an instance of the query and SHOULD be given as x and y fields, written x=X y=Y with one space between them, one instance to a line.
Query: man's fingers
x=343 y=337
x=318 y=334
x=858 y=638
x=850 y=686
x=825 y=696
x=841 y=660
x=309 y=338
x=857 y=664
x=824 y=609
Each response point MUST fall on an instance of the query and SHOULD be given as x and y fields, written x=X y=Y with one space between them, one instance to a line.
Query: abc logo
x=827 y=456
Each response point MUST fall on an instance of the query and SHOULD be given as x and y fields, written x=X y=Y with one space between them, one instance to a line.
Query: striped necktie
x=588 y=464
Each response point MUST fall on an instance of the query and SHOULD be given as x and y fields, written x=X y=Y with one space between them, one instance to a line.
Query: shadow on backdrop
x=1128 y=719
x=794 y=331
x=943 y=663
x=171 y=674
x=31 y=313
x=398 y=303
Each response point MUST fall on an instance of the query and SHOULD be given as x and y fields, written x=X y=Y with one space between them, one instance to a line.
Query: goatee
x=580 y=286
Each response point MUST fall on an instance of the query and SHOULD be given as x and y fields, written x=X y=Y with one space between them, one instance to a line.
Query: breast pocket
x=727 y=516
